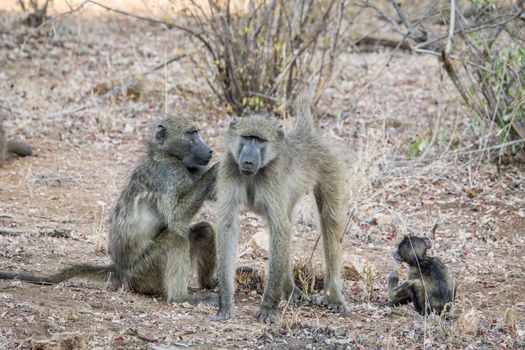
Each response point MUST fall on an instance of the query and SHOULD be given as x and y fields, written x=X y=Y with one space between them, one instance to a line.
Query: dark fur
x=9 y=147
x=429 y=285
x=151 y=241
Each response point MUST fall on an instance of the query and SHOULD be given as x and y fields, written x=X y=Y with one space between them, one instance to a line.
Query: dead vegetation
x=378 y=103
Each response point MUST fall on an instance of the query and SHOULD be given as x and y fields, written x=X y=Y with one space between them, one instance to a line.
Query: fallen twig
x=47 y=232
x=135 y=333
x=42 y=180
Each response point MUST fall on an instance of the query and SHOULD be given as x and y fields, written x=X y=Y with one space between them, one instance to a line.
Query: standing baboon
x=430 y=286
x=268 y=172
x=151 y=240
x=7 y=147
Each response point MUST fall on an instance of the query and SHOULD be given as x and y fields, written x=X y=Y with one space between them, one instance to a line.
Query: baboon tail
x=19 y=148
x=97 y=273
x=304 y=118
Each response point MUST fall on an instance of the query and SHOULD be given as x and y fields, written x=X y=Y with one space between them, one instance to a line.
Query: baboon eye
x=192 y=133
x=160 y=132
x=254 y=138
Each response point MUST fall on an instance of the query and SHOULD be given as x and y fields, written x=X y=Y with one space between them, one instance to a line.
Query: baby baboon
x=430 y=286
x=151 y=240
x=268 y=172
x=8 y=147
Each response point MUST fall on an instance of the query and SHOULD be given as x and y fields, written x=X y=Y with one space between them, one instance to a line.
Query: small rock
x=353 y=268
x=260 y=241
x=381 y=219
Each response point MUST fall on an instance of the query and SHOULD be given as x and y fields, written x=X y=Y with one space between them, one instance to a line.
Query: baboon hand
x=267 y=314
x=211 y=175
x=393 y=277
x=222 y=314
x=335 y=305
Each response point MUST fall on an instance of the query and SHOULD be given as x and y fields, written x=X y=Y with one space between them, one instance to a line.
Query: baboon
x=268 y=172
x=151 y=242
x=429 y=285
x=8 y=147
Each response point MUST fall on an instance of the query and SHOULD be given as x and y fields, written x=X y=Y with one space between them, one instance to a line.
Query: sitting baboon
x=151 y=242
x=9 y=147
x=268 y=172
x=429 y=285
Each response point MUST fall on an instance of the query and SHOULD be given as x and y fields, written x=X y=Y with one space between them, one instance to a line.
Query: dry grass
x=478 y=205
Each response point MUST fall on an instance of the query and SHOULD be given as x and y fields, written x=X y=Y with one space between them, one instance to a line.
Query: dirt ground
x=54 y=206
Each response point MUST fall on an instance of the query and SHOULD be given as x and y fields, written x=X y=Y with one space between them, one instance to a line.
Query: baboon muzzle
x=202 y=152
x=249 y=160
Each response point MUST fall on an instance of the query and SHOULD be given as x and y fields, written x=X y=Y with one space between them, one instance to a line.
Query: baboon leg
x=227 y=240
x=164 y=268
x=420 y=297
x=177 y=269
x=401 y=294
x=146 y=276
x=280 y=235
x=328 y=201
x=203 y=253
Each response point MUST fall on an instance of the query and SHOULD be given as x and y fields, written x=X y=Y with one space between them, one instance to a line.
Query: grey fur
x=274 y=173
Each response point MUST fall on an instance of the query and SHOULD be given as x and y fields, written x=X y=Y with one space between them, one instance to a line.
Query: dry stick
x=154 y=21
x=390 y=57
x=448 y=48
x=461 y=153
x=50 y=232
x=436 y=127
x=47 y=179
x=468 y=30
x=118 y=88
x=383 y=14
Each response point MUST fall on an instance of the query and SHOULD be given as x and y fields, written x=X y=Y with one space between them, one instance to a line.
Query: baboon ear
x=280 y=131
x=160 y=133
x=428 y=242
x=234 y=122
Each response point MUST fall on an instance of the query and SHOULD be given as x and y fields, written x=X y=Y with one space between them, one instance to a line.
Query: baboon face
x=252 y=149
x=255 y=145
x=180 y=138
x=412 y=249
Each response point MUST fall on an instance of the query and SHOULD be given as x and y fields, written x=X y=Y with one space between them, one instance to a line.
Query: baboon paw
x=332 y=304
x=222 y=315
x=267 y=315
x=393 y=276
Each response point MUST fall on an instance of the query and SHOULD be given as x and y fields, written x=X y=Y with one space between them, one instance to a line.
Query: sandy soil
x=56 y=203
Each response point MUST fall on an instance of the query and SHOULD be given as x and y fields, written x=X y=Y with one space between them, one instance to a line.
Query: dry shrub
x=262 y=52
x=62 y=341
x=480 y=43
x=248 y=279
x=34 y=14
x=307 y=278
x=468 y=320
x=509 y=322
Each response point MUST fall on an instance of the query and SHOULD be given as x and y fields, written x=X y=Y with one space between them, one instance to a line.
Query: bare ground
x=82 y=157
